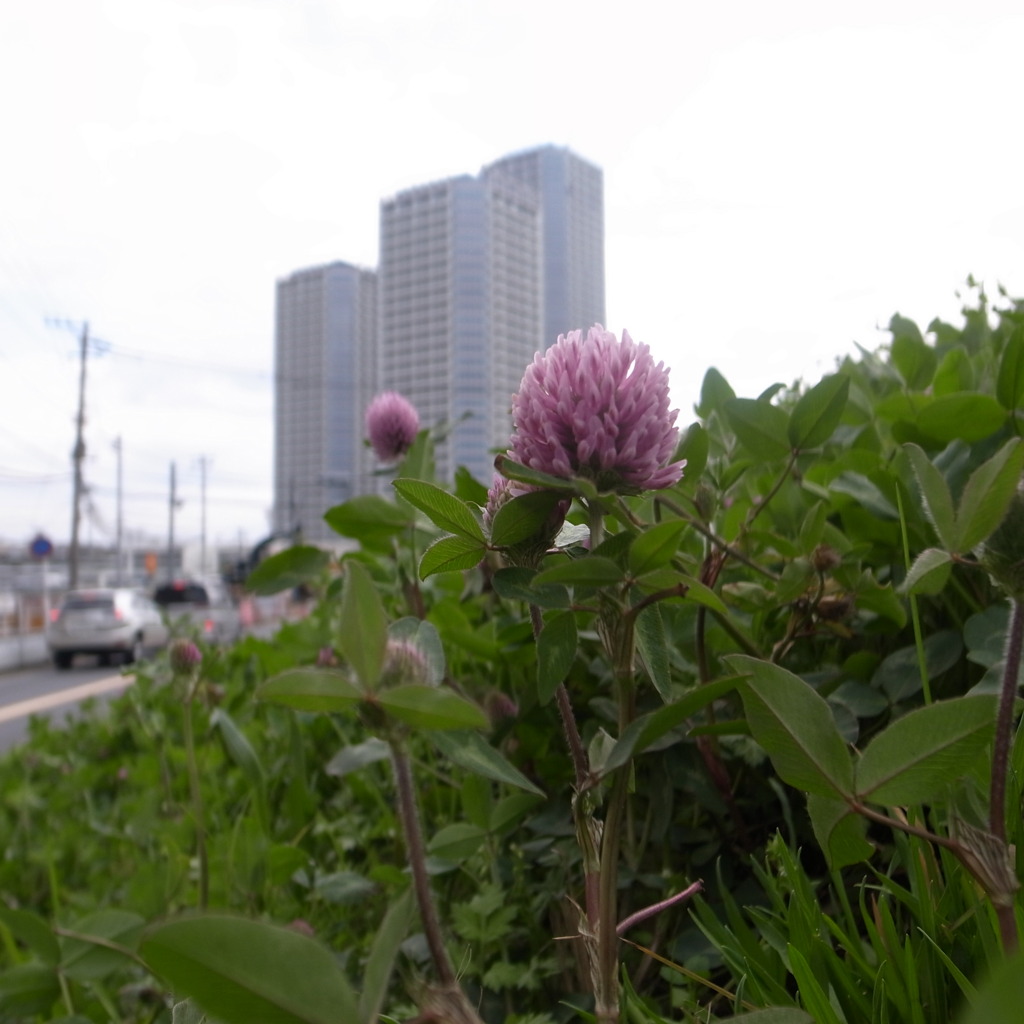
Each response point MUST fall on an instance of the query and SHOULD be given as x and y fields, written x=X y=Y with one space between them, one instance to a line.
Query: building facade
x=477 y=274
x=460 y=309
x=325 y=374
x=570 y=192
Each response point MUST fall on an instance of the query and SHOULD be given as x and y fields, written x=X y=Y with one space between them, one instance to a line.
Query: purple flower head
x=184 y=656
x=597 y=407
x=392 y=423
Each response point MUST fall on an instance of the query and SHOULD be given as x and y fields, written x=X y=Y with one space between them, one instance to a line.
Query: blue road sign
x=41 y=546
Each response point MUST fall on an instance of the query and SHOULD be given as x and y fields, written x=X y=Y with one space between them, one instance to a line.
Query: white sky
x=779 y=179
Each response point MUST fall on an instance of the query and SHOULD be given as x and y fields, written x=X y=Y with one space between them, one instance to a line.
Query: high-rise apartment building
x=460 y=308
x=570 y=192
x=325 y=352
x=476 y=275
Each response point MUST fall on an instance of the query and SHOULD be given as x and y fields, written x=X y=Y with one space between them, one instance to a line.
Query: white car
x=105 y=622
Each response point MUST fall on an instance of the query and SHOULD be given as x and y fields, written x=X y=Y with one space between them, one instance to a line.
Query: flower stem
x=595 y=514
x=408 y=813
x=984 y=855
x=656 y=908
x=915 y=615
x=581 y=804
x=1004 y=722
x=716 y=541
x=903 y=826
x=607 y=994
x=580 y=762
x=1001 y=759
x=197 y=802
x=618 y=633
x=760 y=506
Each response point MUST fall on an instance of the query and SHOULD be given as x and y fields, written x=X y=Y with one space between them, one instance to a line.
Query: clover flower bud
x=326 y=658
x=825 y=558
x=184 y=656
x=498 y=494
x=597 y=407
x=500 y=706
x=404 y=663
x=392 y=424
x=529 y=550
x=706 y=501
x=834 y=607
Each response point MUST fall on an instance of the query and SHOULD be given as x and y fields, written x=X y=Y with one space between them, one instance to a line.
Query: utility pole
x=120 y=518
x=78 y=457
x=170 y=529
x=202 y=513
x=78 y=452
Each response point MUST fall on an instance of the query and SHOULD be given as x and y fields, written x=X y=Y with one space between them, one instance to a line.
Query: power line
x=310 y=380
x=212 y=498
x=17 y=476
x=31 y=446
x=161 y=357
x=27 y=269
x=23 y=278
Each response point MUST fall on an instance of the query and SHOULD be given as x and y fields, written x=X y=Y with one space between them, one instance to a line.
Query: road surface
x=46 y=691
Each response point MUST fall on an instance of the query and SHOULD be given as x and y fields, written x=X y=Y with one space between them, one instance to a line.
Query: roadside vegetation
x=583 y=743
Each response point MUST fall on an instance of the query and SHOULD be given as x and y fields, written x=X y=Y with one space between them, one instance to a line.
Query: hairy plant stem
x=582 y=811
x=904 y=826
x=197 y=797
x=714 y=562
x=580 y=763
x=915 y=615
x=716 y=541
x=595 y=516
x=707 y=746
x=757 y=509
x=607 y=994
x=409 y=815
x=1001 y=759
x=588 y=833
x=410 y=583
x=984 y=855
x=618 y=633
x=656 y=908
x=1004 y=723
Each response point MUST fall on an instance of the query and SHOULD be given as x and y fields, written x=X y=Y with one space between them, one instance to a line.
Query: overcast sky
x=779 y=180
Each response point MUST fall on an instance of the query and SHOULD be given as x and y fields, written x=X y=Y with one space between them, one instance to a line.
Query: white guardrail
x=22 y=622
x=22 y=650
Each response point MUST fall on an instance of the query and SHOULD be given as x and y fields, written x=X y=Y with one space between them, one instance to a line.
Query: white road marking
x=34 y=705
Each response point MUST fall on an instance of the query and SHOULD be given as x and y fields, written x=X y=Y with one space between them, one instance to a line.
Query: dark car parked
x=199 y=606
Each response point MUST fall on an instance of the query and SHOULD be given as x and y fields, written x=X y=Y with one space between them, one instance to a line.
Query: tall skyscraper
x=571 y=195
x=476 y=275
x=460 y=308
x=325 y=368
